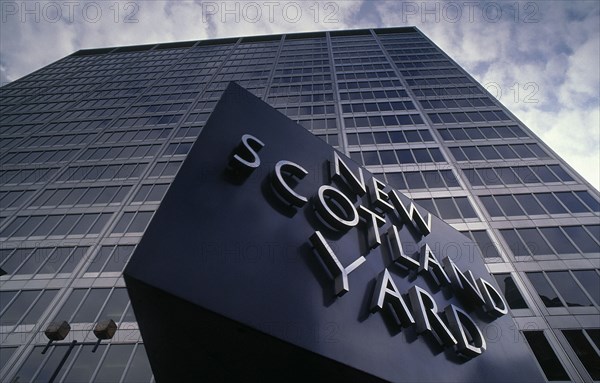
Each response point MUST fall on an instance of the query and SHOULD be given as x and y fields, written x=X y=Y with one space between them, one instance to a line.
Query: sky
x=539 y=58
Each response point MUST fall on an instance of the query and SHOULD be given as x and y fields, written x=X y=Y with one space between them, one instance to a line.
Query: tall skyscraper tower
x=91 y=143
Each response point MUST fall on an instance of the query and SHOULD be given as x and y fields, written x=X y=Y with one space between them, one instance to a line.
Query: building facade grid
x=91 y=143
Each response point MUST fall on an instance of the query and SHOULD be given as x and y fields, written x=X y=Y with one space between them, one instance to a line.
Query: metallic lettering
x=412 y=214
x=333 y=264
x=430 y=263
x=492 y=298
x=463 y=283
x=427 y=318
x=283 y=188
x=245 y=158
x=338 y=170
x=398 y=251
x=386 y=289
x=373 y=221
x=331 y=217
x=460 y=327
x=377 y=196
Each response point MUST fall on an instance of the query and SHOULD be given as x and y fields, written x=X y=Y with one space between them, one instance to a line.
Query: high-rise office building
x=91 y=143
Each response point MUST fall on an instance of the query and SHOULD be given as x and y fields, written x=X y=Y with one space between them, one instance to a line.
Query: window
x=14 y=199
x=165 y=169
x=568 y=289
x=552 y=240
x=102 y=172
x=496 y=152
x=485 y=244
x=41 y=260
x=510 y=291
x=581 y=341
x=90 y=305
x=82 y=196
x=564 y=290
x=112 y=361
x=151 y=193
x=111 y=258
x=24 y=307
x=56 y=225
x=449 y=208
x=545 y=356
x=133 y=222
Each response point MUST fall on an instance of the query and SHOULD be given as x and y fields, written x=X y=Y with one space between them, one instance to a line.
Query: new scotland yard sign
x=275 y=256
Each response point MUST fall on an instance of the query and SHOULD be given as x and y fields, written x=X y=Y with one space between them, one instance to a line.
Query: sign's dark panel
x=274 y=256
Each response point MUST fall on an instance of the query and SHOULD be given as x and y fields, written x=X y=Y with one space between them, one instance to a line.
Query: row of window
x=151 y=193
x=540 y=203
x=389 y=137
x=146 y=121
x=378 y=107
x=90 y=113
x=178 y=148
x=426 y=179
x=431 y=72
x=302 y=79
x=398 y=156
x=96 y=101
x=484 y=243
x=119 y=152
x=553 y=240
x=305 y=88
x=331 y=139
x=497 y=152
x=473 y=116
x=110 y=363
x=448 y=208
x=349 y=85
x=438 y=81
x=28 y=117
x=567 y=288
x=296 y=99
x=319 y=124
x=165 y=169
x=24 y=307
x=110 y=259
x=14 y=199
x=387 y=121
x=365 y=75
x=56 y=225
x=102 y=172
x=159 y=108
x=135 y=135
x=517 y=175
x=373 y=95
x=447 y=91
x=169 y=97
x=482 y=132
x=306 y=110
x=58 y=140
x=424 y=64
x=81 y=196
x=8 y=130
x=352 y=68
x=45 y=260
x=39 y=157
x=26 y=176
x=133 y=222
x=90 y=305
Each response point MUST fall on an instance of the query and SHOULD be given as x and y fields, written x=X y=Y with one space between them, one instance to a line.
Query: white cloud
x=556 y=55
x=546 y=72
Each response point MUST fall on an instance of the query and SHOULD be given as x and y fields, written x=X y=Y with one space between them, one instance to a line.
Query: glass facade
x=91 y=143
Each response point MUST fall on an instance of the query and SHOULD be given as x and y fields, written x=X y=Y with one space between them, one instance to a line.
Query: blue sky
x=539 y=58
